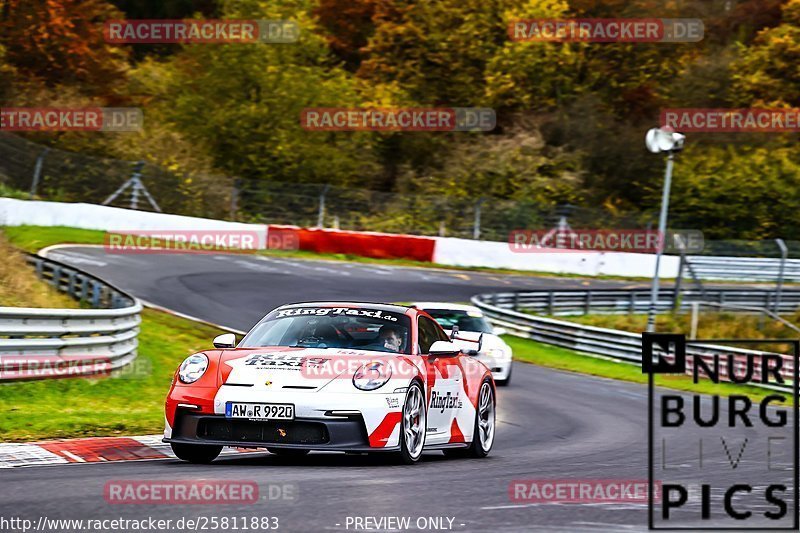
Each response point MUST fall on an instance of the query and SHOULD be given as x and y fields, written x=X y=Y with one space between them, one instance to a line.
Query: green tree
x=768 y=73
x=740 y=191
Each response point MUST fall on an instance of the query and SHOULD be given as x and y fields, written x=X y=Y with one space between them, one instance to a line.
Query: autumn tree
x=61 y=42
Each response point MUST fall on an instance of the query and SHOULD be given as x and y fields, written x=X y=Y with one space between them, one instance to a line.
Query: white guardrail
x=610 y=343
x=744 y=268
x=54 y=343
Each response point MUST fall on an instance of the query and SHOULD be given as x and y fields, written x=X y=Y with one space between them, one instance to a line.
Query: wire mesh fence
x=417 y=214
x=59 y=175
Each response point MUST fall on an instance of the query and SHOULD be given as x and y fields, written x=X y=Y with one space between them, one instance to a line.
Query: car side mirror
x=443 y=348
x=226 y=340
x=454 y=332
x=500 y=331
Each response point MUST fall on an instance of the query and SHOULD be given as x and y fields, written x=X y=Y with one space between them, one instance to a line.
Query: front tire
x=413 y=425
x=483 y=432
x=483 y=436
x=196 y=453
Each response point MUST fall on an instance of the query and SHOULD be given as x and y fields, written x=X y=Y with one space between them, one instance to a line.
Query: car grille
x=276 y=432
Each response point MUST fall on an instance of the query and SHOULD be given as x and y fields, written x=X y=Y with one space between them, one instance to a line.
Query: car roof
x=426 y=306
x=395 y=308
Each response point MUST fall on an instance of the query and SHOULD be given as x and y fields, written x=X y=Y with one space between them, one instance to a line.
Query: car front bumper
x=340 y=422
x=335 y=434
x=500 y=368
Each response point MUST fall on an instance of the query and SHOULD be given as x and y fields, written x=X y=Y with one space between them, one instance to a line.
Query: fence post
x=516 y=301
x=679 y=279
x=588 y=304
x=781 y=270
x=37 y=172
x=551 y=302
x=695 y=308
x=632 y=308
x=321 y=212
x=237 y=184
x=476 y=225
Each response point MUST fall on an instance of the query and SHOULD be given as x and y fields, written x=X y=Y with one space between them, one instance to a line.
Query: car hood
x=282 y=367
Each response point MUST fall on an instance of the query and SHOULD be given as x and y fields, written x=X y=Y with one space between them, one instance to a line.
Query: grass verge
x=562 y=359
x=19 y=286
x=129 y=404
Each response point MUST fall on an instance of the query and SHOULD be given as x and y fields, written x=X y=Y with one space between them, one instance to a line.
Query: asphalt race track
x=238 y=290
x=551 y=425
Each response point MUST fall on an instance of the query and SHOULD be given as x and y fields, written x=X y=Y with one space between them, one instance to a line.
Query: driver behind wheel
x=389 y=340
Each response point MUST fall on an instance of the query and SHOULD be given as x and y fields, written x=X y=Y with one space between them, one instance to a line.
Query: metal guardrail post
x=96 y=294
x=56 y=280
x=84 y=289
x=71 y=283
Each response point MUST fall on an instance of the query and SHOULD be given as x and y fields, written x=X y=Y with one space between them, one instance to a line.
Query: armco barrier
x=568 y=302
x=54 y=343
x=615 y=344
x=744 y=268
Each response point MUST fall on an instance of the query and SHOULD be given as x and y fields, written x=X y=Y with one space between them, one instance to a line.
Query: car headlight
x=496 y=353
x=372 y=375
x=193 y=368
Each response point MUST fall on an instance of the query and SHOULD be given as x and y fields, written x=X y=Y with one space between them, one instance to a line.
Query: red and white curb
x=91 y=450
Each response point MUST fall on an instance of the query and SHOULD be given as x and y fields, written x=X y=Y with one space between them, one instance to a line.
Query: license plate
x=259 y=411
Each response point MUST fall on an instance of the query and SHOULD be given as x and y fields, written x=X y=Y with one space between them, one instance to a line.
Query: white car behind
x=471 y=323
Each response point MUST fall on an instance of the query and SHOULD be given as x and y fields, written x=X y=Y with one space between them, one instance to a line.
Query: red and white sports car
x=344 y=376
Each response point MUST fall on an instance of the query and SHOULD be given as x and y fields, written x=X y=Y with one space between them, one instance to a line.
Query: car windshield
x=357 y=328
x=465 y=320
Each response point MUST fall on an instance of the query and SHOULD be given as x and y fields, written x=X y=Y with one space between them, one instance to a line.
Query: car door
x=444 y=384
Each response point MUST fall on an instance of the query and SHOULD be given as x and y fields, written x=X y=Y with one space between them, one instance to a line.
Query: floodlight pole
x=662 y=231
